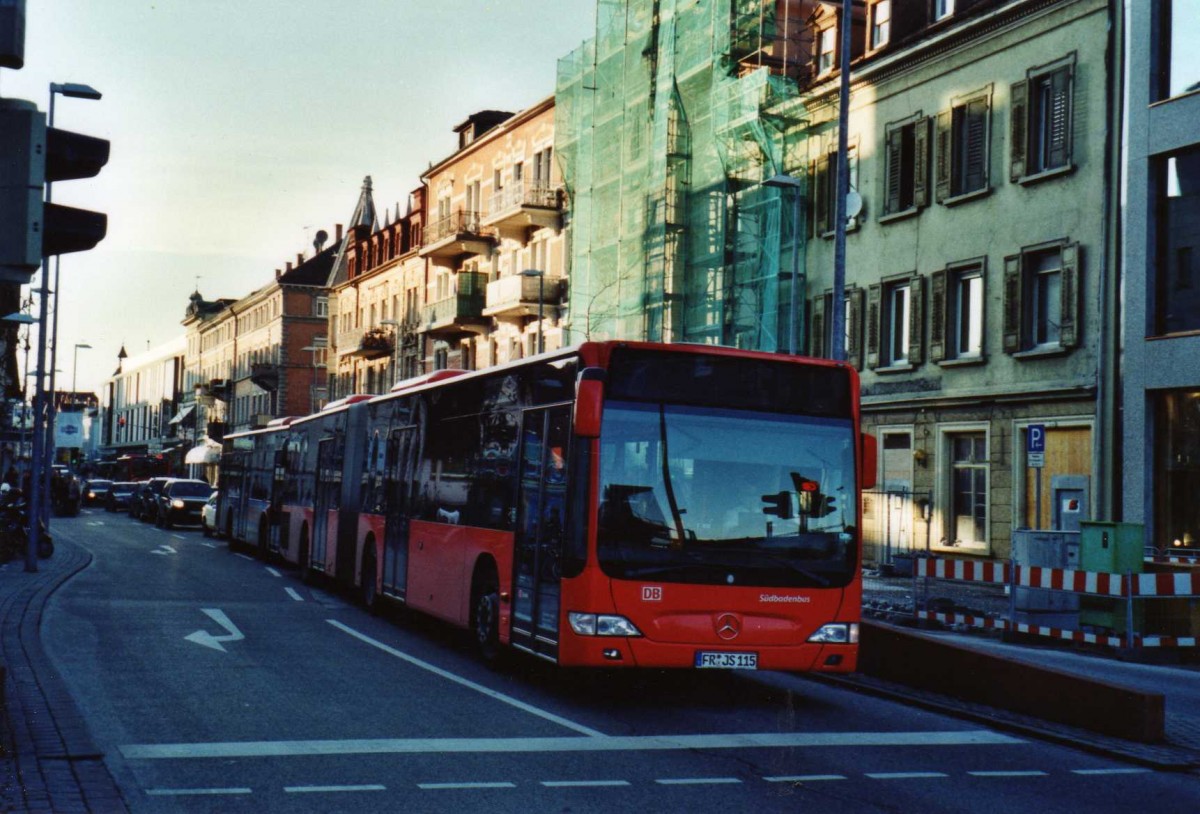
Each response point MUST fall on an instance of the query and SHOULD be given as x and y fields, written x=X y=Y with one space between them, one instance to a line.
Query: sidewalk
x=48 y=761
x=891 y=600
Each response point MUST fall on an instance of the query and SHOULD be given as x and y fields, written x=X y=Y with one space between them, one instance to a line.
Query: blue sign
x=1035 y=438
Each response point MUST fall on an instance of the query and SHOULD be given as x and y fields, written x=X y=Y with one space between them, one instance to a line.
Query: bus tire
x=485 y=613
x=369 y=587
x=264 y=536
x=229 y=541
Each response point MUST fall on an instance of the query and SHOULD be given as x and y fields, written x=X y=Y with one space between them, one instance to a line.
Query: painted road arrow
x=208 y=640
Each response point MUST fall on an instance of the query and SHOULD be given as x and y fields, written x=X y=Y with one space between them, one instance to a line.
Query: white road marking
x=904 y=775
x=1111 y=771
x=1032 y=773
x=498 y=696
x=96 y=523
x=273 y=572
x=626 y=743
x=178 y=536
x=319 y=789
x=181 y=792
x=292 y=593
x=436 y=786
x=169 y=548
x=209 y=545
x=246 y=557
x=203 y=637
x=567 y=784
x=696 y=781
x=804 y=778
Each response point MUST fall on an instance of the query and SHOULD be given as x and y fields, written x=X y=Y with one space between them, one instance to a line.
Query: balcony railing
x=458 y=312
x=373 y=343
x=265 y=375
x=517 y=295
x=456 y=234
x=522 y=205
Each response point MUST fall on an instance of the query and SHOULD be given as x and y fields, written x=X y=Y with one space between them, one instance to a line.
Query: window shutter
x=816 y=345
x=916 y=320
x=944 y=155
x=1068 y=335
x=921 y=163
x=1060 y=117
x=895 y=159
x=873 y=295
x=1012 y=303
x=976 y=133
x=1017 y=129
x=821 y=195
x=855 y=296
x=937 y=316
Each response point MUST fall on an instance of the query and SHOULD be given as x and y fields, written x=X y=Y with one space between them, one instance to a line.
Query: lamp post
x=838 y=351
x=43 y=412
x=395 y=325
x=21 y=318
x=782 y=181
x=75 y=364
x=541 y=278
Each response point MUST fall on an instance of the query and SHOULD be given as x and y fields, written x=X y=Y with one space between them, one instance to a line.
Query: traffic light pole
x=37 y=481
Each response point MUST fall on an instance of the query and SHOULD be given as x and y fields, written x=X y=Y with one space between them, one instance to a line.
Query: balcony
x=265 y=375
x=516 y=296
x=373 y=343
x=461 y=313
x=455 y=235
x=526 y=206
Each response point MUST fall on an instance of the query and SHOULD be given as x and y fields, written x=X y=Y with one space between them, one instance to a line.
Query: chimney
x=278 y=274
x=299 y=258
x=289 y=267
x=337 y=228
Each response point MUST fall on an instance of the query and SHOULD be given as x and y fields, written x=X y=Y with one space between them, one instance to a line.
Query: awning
x=206 y=453
x=182 y=414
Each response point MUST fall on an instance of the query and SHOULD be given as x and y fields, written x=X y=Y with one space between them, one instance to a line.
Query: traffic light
x=70 y=156
x=778 y=504
x=35 y=155
x=22 y=132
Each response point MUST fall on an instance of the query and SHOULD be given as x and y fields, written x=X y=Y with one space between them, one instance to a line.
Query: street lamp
x=21 y=318
x=782 y=181
x=395 y=348
x=541 y=278
x=75 y=365
x=43 y=414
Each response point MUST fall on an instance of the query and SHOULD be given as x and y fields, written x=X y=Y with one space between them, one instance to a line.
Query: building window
x=1177 y=471
x=942 y=9
x=966 y=313
x=826 y=50
x=906 y=153
x=1041 y=299
x=968 y=490
x=1178 y=68
x=1175 y=188
x=963 y=147
x=1041 y=120
x=895 y=319
x=881 y=23
x=824 y=186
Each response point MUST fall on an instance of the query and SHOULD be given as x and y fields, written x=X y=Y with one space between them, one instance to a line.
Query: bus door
x=328 y=493
x=277 y=521
x=401 y=465
x=545 y=439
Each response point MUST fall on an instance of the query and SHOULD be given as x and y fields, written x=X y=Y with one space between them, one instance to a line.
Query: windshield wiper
x=676 y=515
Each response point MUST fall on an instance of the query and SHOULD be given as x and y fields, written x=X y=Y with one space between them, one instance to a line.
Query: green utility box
x=1113 y=548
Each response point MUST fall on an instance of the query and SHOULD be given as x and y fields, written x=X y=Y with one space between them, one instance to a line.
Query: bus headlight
x=836 y=633
x=603 y=624
x=176 y=504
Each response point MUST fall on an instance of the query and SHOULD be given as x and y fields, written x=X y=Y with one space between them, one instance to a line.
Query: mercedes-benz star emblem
x=728 y=626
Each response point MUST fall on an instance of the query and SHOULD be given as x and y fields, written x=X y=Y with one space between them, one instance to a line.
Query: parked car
x=145 y=506
x=119 y=494
x=135 y=499
x=181 y=501
x=208 y=515
x=96 y=492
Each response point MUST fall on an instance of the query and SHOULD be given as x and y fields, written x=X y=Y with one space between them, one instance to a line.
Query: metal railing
x=539 y=195
x=456 y=223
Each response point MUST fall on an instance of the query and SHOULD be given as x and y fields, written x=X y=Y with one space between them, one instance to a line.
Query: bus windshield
x=709 y=495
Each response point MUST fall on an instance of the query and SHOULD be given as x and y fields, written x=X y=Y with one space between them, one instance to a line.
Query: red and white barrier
x=1079 y=582
x=962 y=570
x=1078 y=636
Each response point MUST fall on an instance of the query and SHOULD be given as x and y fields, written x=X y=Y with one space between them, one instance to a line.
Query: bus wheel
x=229 y=541
x=370 y=592
x=264 y=536
x=485 y=616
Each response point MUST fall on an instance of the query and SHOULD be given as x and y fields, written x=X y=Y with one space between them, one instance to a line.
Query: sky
x=241 y=127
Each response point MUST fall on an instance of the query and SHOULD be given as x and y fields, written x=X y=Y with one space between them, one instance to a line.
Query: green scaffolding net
x=667 y=123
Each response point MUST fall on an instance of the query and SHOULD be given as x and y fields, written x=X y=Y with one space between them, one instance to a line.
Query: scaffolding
x=667 y=122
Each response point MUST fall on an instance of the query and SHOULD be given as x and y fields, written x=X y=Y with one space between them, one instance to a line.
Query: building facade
x=1161 y=371
x=140 y=400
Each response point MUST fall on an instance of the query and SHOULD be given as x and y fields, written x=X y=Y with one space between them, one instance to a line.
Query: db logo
x=652 y=593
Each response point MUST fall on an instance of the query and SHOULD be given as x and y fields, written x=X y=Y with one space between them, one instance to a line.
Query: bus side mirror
x=870 y=460
x=589 y=402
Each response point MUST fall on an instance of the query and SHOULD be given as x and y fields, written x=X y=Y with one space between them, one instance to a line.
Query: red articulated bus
x=615 y=504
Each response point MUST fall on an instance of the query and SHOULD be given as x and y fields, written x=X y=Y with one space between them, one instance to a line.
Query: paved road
x=216 y=682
